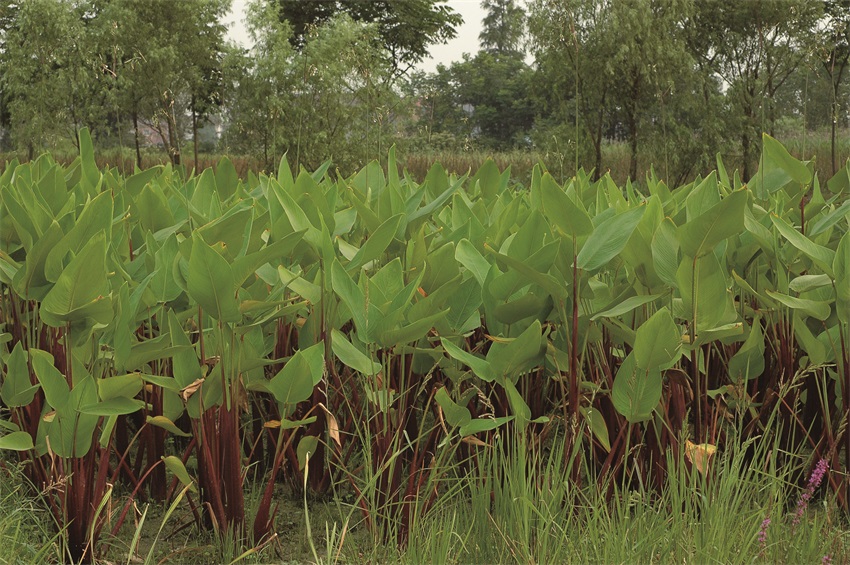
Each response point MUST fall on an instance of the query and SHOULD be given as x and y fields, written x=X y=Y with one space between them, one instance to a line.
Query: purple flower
x=815 y=480
x=827 y=559
x=763 y=535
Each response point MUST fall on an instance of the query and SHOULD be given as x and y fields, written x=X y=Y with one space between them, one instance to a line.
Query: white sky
x=465 y=42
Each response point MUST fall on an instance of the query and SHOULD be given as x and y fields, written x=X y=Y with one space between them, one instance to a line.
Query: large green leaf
x=53 y=383
x=295 y=381
x=636 y=391
x=657 y=341
x=377 y=242
x=814 y=308
x=351 y=356
x=210 y=282
x=31 y=281
x=479 y=366
x=665 y=251
x=456 y=415
x=17 y=389
x=822 y=256
x=565 y=214
x=748 y=362
x=723 y=220
x=608 y=239
x=16 y=441
x=703 y=287
x=841 y=268
x=82 y=288
x=518 y=355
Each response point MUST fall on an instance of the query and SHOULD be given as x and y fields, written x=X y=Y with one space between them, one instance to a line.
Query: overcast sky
x=465 y=42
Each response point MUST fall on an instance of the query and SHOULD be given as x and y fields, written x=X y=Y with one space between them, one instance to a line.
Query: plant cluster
x=181 y=336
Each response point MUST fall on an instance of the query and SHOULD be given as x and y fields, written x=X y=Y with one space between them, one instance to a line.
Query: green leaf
x=665 y=252
x=479 y=366
x=53 y=383
x=352 y=296
x=814 y=308
x=295 y=381
x=351 y=356
x=520 y=354
x=211 y=283
x=467 y=255
x=597 y=425
x=30 y=281
x=483 y=425
x=117 y=406
x=565 y=214
x=748 y=362
x=544 y=280
x=167 y=424
x=126 y=386
x=657 y=341
x=608 y=239
x=377 y=243
x=702 y=286
x=841 y=268
x=805 y=283
x=456 y=415
x=226 y=179
x=518 y=405
x=244 y=267
x=17 y=389
x=823 y=257
x=306 y=448
x=431 y=207
x=723 y=220
x=626 y=306
x=17 y=441
x=91 y=176
x=777 y=169
x=175 y=465
x=636 y=391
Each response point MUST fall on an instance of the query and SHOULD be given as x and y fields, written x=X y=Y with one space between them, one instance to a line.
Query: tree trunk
x=195 y=132
x=633 y=133
x=745 y=153
x=597 y=149
x=832 y=136
x=136 y=139
x=174 y=142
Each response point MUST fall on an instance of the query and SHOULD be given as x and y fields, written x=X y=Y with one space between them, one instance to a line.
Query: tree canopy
x=406 y=29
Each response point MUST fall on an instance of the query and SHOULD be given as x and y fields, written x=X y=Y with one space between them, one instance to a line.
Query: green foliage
x=405 y=30
x=359 y=329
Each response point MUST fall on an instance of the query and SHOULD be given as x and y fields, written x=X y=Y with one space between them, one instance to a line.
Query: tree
x=835 y=56
x=163 y=59
x=570 y=51
x=503 y=27
x=606 y=63
x=753 y=47
x=332 y=99
x=406 y=29
x=496 y=89
x=48 y=73
x=205 y=55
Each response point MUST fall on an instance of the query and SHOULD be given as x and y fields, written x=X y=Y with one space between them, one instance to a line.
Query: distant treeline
x=674 y=81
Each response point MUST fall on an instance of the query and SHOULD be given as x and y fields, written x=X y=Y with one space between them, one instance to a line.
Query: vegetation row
x=186 y=338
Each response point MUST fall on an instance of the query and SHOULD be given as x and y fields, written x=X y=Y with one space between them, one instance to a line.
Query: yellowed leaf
x=333 y=426
x=191 y=389
x=700 y=455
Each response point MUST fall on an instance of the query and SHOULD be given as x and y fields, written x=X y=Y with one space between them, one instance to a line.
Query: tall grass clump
x=736 y=507
x=25 y=533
